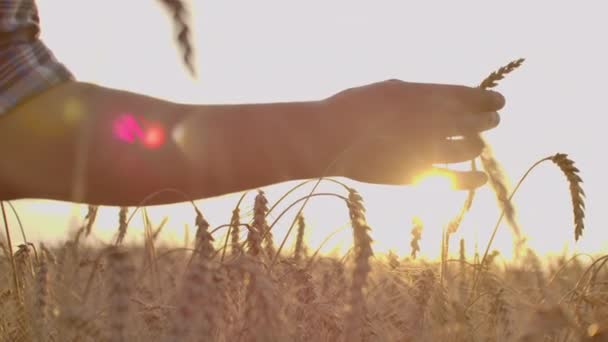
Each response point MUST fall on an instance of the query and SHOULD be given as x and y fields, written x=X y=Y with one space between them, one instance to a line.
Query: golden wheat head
x=491 y=80
x=576 y=191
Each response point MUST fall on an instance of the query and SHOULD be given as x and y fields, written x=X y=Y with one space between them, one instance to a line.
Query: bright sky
x=269 y=51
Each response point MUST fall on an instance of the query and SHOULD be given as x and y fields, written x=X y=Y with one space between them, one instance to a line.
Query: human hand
x=392 y=131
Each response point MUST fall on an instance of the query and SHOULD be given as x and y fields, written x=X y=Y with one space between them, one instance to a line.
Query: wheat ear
x=355 y=317
x=417 y=227
x=122 y=225
x=576 y=191
x=180 y=15
x=300 y=244
x=496 y=175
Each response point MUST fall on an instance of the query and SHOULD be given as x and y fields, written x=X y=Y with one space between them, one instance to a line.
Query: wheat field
x=249 y=286
x=245 y=287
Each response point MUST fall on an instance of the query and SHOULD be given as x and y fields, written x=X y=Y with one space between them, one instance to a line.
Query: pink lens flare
x=127 y=128
x=155 y=136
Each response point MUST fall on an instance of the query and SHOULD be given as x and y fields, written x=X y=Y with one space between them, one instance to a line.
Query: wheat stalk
x=235 y=222
x=577 y=194
x=91 y=216
x=10 y=254
x=203 y=243
x=122 y=225
x=355 y=317
x=41 y=304
x=423 y=288
x=197 y=303
x=566 y=165
x=496 y=176
x=299 y=249
x=180 y=15
x=263 y=318
x=259 y=225
x=82 y=325
x=417 y=227
x=462 y=280
x=260 y=210
x=120 y=289
x=491 y=80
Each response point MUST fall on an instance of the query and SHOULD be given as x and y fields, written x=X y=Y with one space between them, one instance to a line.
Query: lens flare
x=73 y=110
x=154 y=136
x=127 y=128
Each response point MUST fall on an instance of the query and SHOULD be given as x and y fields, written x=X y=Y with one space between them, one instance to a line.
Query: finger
x=456 y=151
x=464 y=124
x=453 y=125
x=470 y=99
x=464 y=180
x=483 y=121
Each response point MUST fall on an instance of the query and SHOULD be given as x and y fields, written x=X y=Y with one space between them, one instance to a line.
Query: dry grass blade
x=180 y=14
x=576 y=191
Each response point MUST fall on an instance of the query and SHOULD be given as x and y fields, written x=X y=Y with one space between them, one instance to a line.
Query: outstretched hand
x=390 y=132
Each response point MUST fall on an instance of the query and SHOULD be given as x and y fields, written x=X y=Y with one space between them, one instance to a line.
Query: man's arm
x=85 y=143
x=64 y=145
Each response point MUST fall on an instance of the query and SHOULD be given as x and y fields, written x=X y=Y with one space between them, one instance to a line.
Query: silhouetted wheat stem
x=180 y=14
x=416 y=233
x=491 y=166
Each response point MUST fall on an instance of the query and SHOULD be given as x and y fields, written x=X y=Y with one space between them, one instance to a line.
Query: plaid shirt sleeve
x=27 y=66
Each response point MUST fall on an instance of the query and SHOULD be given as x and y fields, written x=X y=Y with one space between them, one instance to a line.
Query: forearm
x=251 y=145
x=224 y=148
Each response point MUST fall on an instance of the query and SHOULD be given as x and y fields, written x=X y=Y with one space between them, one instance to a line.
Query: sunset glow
x=248 y=60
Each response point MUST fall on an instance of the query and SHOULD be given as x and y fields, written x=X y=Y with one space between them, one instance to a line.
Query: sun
x=435 y=179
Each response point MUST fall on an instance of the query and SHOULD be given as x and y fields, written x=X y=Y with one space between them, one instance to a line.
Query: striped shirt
x=27 y=66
